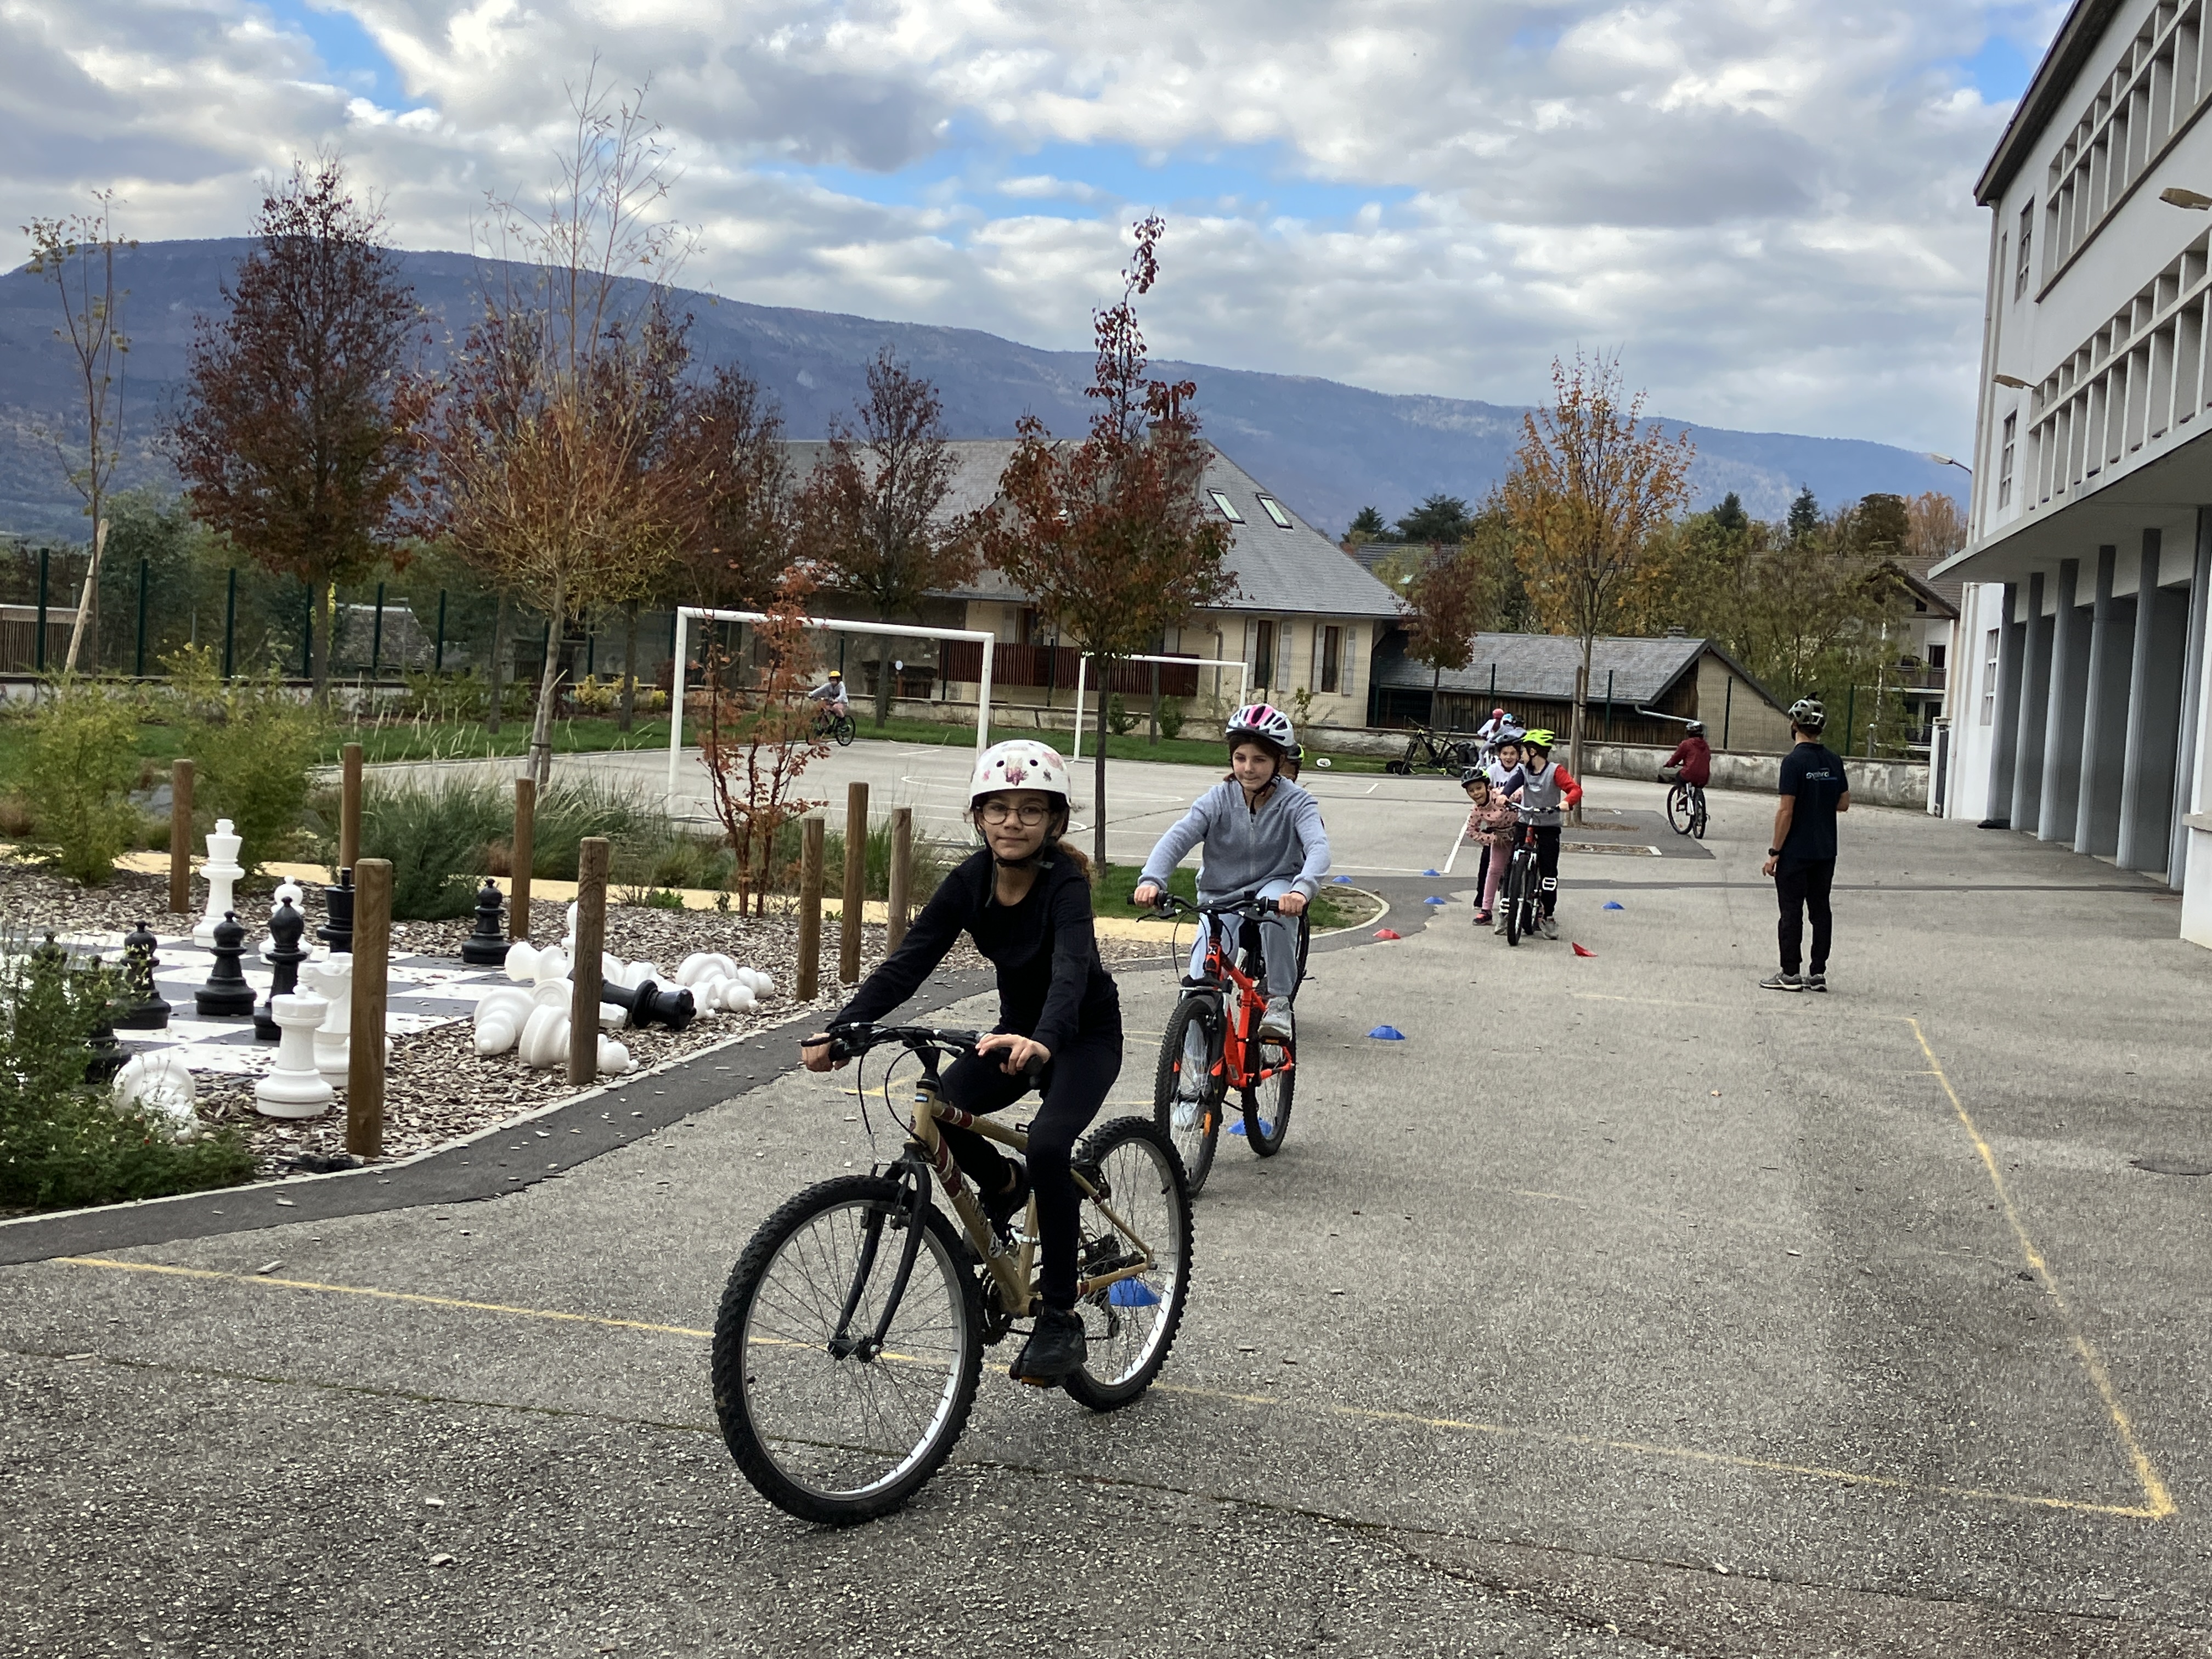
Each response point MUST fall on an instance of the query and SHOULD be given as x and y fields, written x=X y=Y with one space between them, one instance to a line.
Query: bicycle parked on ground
x=1430 y=751
x=1212 y=1046
x=1686 y=808
x=1521 y=891
x=849 y=1343
x=834 y=723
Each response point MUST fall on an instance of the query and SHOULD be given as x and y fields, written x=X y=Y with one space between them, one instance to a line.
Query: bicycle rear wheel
x=1189 y=1090
x=1267 y=1102
x=1681 y=814
x=846 y=731
x=1130 y=1325
x=835 y=1438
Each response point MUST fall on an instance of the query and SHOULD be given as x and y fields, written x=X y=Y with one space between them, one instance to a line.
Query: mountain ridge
x=1327 y=446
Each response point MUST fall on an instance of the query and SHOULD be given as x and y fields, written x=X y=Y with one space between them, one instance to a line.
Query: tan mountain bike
x=849 y=1343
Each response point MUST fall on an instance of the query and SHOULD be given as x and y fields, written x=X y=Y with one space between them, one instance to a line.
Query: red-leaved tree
x=1107 y=536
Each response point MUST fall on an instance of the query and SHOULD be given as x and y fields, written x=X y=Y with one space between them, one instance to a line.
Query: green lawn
x=1110 y=898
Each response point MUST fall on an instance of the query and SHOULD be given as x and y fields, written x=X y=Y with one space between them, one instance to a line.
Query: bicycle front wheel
x=846 y=731
x=1129 y=1325
x=1697 y=816
x=1516 y=897
x=825 y=1432
x=1305 y=945
x=1268 y=1099
x=1187 y=1091
x=1679 y=813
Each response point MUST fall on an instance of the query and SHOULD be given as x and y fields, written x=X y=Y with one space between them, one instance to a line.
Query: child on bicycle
x=1490 y=822
x=1693 y=759
x=1262 y=836
x=1538 y=787
x=1025 y=898
x=831 y=694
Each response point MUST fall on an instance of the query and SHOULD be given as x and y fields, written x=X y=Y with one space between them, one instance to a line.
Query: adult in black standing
x=1803 y=858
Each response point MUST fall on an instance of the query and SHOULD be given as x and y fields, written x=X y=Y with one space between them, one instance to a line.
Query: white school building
x=2080 y=709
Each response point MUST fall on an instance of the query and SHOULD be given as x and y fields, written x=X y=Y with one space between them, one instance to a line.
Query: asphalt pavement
x=1621 y=1308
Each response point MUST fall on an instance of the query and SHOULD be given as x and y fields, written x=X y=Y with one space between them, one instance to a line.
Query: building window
x=1990 y=679
x=1228 y=508
x=1329 y=647
x=1275 y=511
x=1936 y=652
x=1263 y=655
x=2004 y=459
x=2026 y=231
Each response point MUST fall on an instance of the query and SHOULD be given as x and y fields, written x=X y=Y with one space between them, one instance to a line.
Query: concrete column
x=2104 y=710
x=2062 y=724
x=2004 y=744
x=2154 y=728
x=2192 y=701
x=2034 y=697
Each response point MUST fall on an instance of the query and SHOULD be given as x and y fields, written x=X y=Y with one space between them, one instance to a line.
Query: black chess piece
x=225 y=995
x=337 y=930
x=487 y=946
x=648 y=1005
x=107 y=1054
x=285 y=955
x=144 y=1009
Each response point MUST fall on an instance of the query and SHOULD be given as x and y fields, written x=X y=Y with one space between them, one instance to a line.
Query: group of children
x=1520 y=786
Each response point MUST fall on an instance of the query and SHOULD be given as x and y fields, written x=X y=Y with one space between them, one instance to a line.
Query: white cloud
x=1765 y=203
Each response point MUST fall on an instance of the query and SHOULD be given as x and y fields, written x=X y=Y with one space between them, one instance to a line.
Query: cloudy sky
x=1764 y=204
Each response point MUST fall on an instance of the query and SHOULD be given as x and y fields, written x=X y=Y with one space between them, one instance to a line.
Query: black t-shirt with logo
x=1815 y=774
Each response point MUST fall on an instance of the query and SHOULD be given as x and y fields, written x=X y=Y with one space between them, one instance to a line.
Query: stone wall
x=1873 y=783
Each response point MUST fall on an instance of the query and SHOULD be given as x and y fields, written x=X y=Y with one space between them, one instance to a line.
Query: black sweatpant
x=1073 y=1088
x=1802 y=891
x=1547 y=868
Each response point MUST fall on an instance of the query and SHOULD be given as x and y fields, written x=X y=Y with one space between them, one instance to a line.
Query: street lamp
x=1945 y=460
x=2176 y=196
x=2012 y=380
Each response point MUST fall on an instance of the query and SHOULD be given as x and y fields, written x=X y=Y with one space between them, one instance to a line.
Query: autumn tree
x=871 y=517
x=1444 y=606
x=296 y=438
x=76 y=254
x=554 y=467
x=1107 y=535
x=757 y=739
x=1591 y=482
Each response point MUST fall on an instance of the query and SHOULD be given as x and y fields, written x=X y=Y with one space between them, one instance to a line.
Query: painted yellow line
x=2158 y=1501
x=1352 y=1413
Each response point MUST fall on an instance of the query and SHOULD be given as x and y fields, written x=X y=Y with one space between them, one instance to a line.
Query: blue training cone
x=1432 y=873
x=1131 y=1293
x=1388 y=1033
x=1614 y=904
x=1433 y=899
x=1340 y=881
x=1237 y=1128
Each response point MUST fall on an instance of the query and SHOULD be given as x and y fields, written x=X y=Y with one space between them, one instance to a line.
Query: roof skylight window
x=1275 y=511
x=1228 y=508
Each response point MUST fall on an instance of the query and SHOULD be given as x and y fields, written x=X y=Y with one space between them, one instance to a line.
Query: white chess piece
x=501 y=1014
x=159 y=1084
x=763 y=986
x=294 y=1086
x=287 y=888
x=333 y=982
x=220 y=869
x=545 y=1044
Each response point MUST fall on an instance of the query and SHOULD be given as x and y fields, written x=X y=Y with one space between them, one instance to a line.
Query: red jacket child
x=1695 y=756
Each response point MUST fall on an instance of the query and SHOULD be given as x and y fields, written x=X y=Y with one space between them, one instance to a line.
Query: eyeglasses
x=1028 y=813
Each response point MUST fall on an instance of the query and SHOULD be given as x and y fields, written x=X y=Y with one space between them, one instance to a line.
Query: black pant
x=1482 y=875
x=1802 y=890
x=1073 y=1088
x=1547 y=866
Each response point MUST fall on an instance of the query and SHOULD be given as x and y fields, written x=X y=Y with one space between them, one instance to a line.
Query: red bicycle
x=1213 y=1045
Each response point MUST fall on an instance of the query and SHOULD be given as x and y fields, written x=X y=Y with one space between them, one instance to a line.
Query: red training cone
x=1386 y=932
x=1580 y=952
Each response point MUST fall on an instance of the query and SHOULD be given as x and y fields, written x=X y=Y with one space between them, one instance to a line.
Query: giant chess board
x=424 y=992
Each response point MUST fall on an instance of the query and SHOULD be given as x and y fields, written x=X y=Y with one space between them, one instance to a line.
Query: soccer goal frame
x=686 y=613
x=1243 y=678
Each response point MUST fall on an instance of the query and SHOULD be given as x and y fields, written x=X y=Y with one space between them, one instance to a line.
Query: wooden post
x=372 y=952
x=584 y=972
x=523 y=849
x=812 y=832
x=349 y=807
x=902 y=852
x=856 y=882
x=180 y=837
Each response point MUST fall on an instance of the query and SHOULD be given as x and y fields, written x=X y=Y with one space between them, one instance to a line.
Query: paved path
x=1622 y=1310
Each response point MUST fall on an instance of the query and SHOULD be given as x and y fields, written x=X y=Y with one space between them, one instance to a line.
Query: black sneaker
x=1782 y=982
x=1056 y=1349
x=1816 y=982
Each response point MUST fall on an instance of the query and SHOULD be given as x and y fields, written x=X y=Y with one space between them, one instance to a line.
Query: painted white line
x=1458 y=840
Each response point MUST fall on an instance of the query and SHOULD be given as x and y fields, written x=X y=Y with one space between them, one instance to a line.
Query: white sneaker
x=1549 y=925
x=1275 y=1023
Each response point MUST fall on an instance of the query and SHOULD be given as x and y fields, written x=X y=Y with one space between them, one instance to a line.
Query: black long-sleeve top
x=1052 y=986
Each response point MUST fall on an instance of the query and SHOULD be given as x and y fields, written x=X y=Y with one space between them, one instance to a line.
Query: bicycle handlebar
x=1168 y=906
x=850 y=1042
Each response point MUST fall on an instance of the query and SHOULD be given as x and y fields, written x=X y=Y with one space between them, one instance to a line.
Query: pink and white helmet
x=1019 y=763
x=1262 y=719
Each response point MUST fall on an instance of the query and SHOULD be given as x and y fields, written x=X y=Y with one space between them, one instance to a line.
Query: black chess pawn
x=285 y=955
x=337 y=930
x=107 y=1054
x=649 y=1005
x=487 y=946
x=225 y=995
x=144 y=1009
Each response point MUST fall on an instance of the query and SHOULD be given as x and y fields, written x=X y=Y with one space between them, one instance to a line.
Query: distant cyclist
x=1500 y=729
x=1693 y=759
x=1263 y=838
x=1540 y=786
x=832 y=692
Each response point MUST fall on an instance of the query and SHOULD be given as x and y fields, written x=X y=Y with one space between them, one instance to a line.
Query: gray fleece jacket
x=1284 y=839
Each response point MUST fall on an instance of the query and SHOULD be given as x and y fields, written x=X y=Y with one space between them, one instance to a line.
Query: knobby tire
x=1150 y=1190
x=1194 y=1143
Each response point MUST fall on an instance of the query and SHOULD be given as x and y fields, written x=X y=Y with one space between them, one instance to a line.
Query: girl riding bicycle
x=1539 y=787
x=1262 y=837
x=1025 y=900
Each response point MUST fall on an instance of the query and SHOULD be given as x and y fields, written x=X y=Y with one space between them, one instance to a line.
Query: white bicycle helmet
x=1263 y=720
x=1019 y=763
